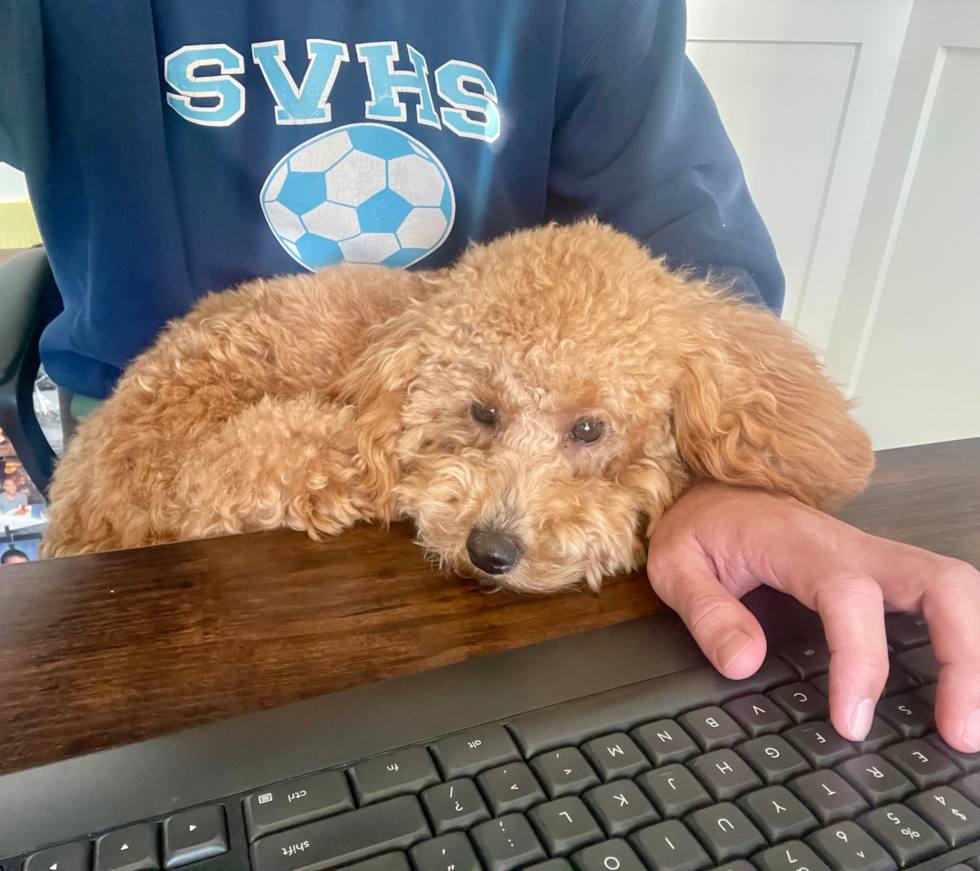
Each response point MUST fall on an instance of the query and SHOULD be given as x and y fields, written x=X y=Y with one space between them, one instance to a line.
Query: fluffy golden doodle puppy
x=534 y=409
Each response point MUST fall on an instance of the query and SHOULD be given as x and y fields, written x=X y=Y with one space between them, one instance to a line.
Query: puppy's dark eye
x=483 y=414
x=588 y=430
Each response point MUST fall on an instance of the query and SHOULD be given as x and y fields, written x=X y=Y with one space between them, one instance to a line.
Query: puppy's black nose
x=494 y=551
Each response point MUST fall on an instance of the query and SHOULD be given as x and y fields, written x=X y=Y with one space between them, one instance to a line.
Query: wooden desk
x=108 y=649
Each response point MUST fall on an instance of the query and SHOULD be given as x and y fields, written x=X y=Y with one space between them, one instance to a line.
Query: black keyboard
x=683 y=771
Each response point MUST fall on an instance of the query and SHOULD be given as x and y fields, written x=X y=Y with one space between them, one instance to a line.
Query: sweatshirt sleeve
x=638 y=142
x=23 y=103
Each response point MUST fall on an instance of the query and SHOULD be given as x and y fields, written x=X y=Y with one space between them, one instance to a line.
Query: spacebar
x=621 y=709
x=389 y=825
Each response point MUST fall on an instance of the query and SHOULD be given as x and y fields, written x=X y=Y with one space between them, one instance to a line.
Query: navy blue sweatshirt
x=174 y=147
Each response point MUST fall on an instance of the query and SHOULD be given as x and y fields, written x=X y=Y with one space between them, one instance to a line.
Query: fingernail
x=971 y=734
x=859 y=723
x=732 y=648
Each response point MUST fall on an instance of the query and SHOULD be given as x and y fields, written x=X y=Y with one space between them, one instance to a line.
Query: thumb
x=721 y=625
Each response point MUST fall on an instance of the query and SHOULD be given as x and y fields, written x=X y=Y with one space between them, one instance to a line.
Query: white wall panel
x=920 y=373
x=783 y=106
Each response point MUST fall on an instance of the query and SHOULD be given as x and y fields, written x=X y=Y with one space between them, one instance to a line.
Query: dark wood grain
x=108 y=649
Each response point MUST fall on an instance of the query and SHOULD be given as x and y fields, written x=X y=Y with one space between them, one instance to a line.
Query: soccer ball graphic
x=364 y=193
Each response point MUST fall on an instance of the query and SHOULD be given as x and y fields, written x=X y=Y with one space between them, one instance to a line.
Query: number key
x=903 y=833
x=957 y=819
x=847 y=847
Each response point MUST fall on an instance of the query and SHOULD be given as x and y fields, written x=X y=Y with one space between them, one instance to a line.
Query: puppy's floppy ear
x=753 y=407
x=377 y=384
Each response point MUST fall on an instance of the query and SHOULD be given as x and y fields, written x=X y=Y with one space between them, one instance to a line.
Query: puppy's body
x=317 y=401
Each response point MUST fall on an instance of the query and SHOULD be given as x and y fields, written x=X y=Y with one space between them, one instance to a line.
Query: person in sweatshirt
x=173 y=149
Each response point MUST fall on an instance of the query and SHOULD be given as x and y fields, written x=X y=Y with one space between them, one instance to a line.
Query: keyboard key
x=876 y=780
x=395 y=824
x=551 y=865
x=449 y=853
x=821 y=683
x=921 y=663
x=454 y=805
x=898 y=682
x=737 y=865
x=712 y=728
x=847 y=847
x=669 y=846
x=506 y=843
x=970 y=787
x=615 y=756
x=194 y=835
x=819 y=743
x=807 y=658
x=829 y=796
x=471 y=752
x=387 y=862
x=778 y=813
x=629 y=706
x=564 y=772
x=564 y=825
x=903 y=833
x=879 y=735
x=67 y=857
x=907 y=716
x=725 y=831
x=620 y=807
x=801 y=702
x=510 y=788
x=922 y=763
x=906 y=630
x=957 y=819
x=394 y=774
x=665 y=742
x=969 y=762
x=296 y=802
x=773 y=758
x=616 y=854
x=673 y=790
x=791 y=856
x=725 y=774
x=926 y=696
x=130 y=849
x=757 y=715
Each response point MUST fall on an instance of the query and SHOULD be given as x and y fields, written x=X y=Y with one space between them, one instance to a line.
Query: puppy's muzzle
x=494 y=551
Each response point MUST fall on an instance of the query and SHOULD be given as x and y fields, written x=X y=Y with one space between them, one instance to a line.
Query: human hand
x=718 y=542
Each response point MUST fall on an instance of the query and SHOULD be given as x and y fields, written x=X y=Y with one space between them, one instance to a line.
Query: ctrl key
x=395 y=824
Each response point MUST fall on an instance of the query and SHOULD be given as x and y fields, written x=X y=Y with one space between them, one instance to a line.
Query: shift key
x=298 y=801
x=395 y=824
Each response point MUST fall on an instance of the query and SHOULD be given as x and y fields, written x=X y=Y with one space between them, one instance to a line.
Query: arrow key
x=131 y=849
x=67 y=857
x=194 y=835
x=847 y=847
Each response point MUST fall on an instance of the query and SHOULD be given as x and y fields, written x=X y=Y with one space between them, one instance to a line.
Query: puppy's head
x=562 y=388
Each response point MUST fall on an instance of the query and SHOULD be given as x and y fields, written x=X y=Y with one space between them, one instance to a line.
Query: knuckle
x=707 y=613
x=957 y=576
